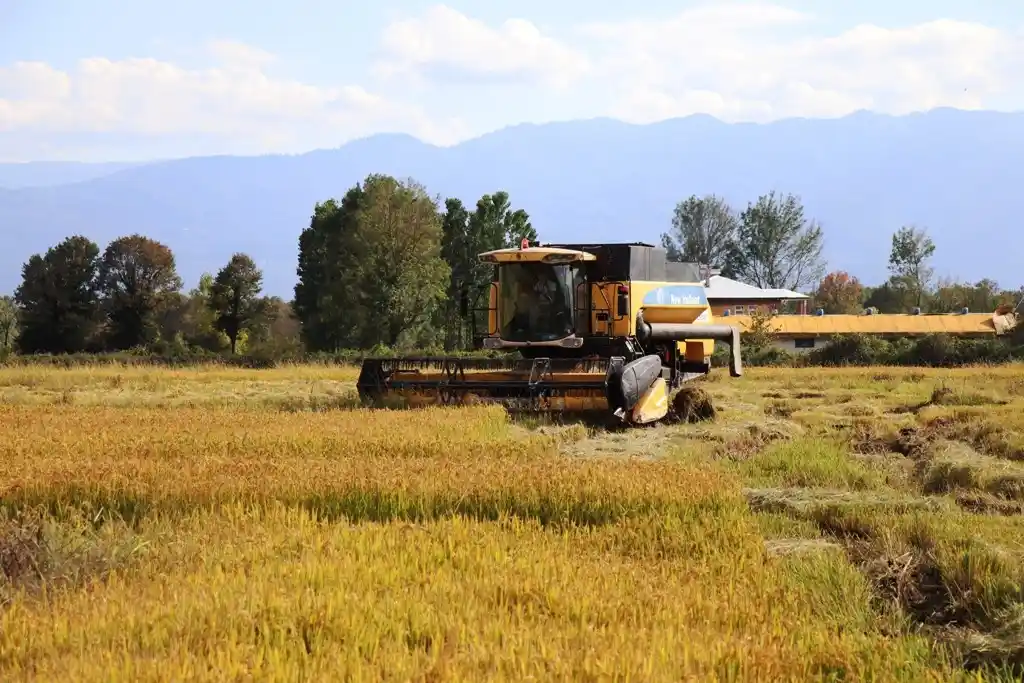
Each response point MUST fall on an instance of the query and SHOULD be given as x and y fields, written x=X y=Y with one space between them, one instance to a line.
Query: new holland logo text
x=676 y=296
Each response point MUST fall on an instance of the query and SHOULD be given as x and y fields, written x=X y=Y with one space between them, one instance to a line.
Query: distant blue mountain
x=48 y=173
x=862 y=176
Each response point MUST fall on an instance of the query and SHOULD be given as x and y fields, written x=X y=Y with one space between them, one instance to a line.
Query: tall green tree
x=399 y=245
x=493 y=224
x=456 y=250
x=137 y=276
x=330 y=275
x=57 y=299
x=909 y=258
x=235 y=296
x=704 y=230
x=8 y=324
x=777 y=246
x=370 y=267
x=198 y=320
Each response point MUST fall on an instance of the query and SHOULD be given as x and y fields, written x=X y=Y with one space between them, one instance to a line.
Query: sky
x=109 y=80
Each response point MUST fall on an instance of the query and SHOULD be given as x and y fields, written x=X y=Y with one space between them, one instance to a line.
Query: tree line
x=74 y=298
x=388 y=265
x=771 y=243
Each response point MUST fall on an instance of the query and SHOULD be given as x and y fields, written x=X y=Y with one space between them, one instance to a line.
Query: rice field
x=233 y=525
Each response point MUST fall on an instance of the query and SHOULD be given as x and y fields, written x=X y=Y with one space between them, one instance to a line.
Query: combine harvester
x=600 y=328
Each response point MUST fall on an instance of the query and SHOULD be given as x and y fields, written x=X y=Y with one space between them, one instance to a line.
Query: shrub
x=759 y=336
x=934 y=350
x=852 y=349
x=771 y=357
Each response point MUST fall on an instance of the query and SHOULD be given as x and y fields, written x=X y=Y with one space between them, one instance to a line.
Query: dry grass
x=235 y=525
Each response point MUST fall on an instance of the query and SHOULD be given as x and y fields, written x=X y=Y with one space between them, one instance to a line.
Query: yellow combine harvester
x=607 y=328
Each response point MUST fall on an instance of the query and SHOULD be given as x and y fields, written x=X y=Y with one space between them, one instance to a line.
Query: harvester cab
x=612 y=328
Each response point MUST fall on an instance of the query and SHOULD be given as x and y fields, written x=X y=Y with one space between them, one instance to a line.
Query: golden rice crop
x=278 y=594
x=359 y=464
x=116 y=376
x=227 y=525
x=289 y=388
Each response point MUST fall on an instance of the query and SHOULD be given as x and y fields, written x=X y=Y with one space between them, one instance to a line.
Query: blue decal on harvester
x=677 y=295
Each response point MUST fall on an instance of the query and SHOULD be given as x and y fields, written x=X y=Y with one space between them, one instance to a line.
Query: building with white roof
x=731 y=297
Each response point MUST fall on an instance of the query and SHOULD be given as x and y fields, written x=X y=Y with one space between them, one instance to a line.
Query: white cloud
x=232 y=53
x=236 y=100
x=444 y=42
x=752 y=61
x=759 y=62
x=749 y=61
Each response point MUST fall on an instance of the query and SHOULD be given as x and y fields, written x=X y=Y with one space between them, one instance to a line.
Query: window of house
x=804 y=343
x=739 y=310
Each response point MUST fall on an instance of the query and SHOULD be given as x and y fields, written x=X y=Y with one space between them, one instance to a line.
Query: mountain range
x=862 y=176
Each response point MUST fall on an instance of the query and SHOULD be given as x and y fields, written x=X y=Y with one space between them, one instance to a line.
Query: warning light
x=525 y=244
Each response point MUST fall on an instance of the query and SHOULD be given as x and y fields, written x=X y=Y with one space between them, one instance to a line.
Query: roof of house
x=721 y=287
x=879 y=323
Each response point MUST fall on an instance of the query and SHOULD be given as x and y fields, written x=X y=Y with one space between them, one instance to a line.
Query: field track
x=210 y=524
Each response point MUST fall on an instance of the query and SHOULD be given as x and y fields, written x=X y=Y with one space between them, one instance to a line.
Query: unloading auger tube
x=674 y=332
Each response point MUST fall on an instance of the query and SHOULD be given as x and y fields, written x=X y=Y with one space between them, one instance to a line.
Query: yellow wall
x=894 y=324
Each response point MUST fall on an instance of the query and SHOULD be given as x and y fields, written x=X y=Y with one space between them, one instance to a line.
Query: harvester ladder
x=540 y=370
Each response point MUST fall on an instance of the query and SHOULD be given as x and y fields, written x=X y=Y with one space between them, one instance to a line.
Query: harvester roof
x=536 y=254
x=635 y=261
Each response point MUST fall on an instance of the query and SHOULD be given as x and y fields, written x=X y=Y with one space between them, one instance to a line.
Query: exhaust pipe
x=677 y=332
